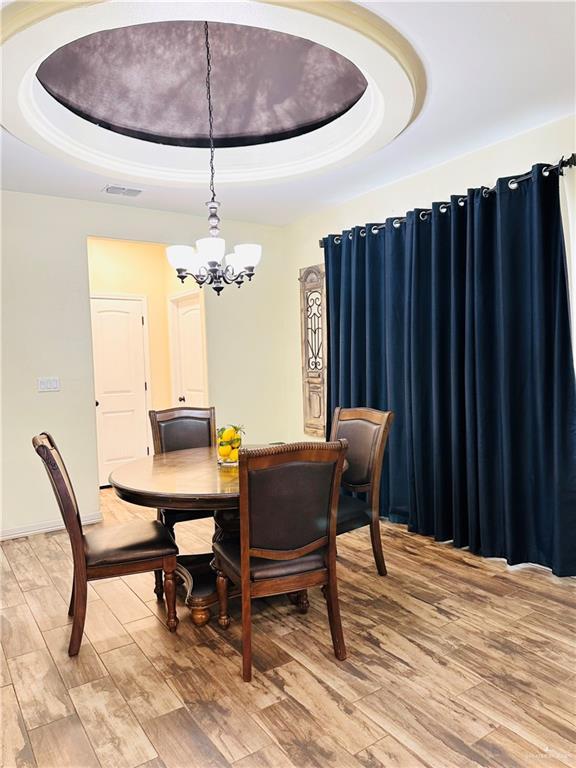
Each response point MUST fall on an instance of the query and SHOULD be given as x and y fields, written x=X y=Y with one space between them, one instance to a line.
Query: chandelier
x=208 y=263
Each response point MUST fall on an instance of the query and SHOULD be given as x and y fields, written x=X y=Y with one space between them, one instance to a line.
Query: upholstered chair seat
x=128 y=543
x=352 y=513
x=228 y=553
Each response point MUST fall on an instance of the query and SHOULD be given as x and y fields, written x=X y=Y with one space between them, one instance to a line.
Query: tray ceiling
x=303 y=87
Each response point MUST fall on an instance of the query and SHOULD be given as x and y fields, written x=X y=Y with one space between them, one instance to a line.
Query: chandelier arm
x=230 y=275
x=227 y=279
x=201 y=277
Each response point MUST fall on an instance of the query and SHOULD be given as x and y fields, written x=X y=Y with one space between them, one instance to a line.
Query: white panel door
x=189 y=352
x=120 y=382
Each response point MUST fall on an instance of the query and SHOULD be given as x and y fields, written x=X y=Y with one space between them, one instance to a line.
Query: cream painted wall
x=122 y=267
x=46 y=332
x=516 y=155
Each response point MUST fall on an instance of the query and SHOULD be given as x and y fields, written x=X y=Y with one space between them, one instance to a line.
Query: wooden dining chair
x=103 y=552
x=288 y=501
x=175 y=429
x=366 y=431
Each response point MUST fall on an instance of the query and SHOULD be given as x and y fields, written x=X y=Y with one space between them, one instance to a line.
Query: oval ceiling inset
x=394 y=92
x=149 y=81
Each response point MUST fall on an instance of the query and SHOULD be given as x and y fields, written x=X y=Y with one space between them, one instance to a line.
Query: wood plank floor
x=453 y=662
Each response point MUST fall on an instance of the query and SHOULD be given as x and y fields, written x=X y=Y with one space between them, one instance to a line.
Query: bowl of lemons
x=229 y=442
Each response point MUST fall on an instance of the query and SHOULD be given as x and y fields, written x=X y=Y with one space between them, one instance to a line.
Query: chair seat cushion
x=228 y=553
x=128 y=543
x=352 y=513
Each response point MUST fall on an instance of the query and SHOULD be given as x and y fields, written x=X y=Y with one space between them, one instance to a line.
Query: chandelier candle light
x=207 y=263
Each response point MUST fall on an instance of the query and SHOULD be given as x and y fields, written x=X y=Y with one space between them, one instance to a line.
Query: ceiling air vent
x=113 y=189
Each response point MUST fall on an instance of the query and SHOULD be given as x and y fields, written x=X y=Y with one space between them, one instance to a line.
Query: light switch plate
x=49 y=384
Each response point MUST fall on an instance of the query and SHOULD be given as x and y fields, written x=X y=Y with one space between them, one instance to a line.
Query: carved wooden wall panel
x=313 y=327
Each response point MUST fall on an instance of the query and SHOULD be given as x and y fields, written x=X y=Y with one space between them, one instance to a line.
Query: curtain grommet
x=461 y=202
x=363 y=232
x=512 y=184
x=376 y=229
x=337 y=240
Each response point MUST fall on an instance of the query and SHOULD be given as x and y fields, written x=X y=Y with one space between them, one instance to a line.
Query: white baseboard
x=45 y=527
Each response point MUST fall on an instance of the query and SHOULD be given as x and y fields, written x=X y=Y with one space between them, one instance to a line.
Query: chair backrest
x=366 y=431
x=46 y=448
x=177 y=428
x=289 y=499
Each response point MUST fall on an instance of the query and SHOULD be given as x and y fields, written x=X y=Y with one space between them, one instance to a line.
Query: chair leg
x=170 y=591
x=246 y=636
x=159 y=588
x=80 y=597
x=334 y=618
x=222 y=590
x=158 y=576
x=71 y=606
x=300 y=600
x=377 y=547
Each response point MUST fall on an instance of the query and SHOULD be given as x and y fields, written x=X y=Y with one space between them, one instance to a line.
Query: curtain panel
x=568 y=207
x=456 y=318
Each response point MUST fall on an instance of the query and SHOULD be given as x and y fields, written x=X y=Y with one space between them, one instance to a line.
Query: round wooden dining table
x=191 y=480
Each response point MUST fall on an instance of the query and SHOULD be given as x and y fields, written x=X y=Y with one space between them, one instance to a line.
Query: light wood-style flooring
x=453 y=662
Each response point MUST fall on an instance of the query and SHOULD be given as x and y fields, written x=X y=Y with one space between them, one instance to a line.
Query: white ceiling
x=494 y=70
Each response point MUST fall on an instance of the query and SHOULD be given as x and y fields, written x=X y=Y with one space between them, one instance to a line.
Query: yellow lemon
x=233 y=455
x=224 y=451
x=237 y=441
x=228 y=434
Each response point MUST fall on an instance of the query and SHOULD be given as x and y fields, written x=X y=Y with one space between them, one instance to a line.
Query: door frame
x=146 y=340
x=173 y=301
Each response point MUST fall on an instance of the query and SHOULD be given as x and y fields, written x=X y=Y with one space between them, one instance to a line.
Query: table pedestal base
x=198 y=581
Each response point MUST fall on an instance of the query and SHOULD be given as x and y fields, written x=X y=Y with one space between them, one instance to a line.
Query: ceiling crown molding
x=19 y=15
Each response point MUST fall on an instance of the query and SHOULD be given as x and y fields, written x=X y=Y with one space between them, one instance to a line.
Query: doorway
x=141 y=364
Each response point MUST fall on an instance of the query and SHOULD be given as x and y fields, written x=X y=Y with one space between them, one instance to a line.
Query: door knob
x=97 y=403
x=181 y=399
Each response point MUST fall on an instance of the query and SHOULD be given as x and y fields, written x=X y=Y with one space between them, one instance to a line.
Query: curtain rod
x=569 y=162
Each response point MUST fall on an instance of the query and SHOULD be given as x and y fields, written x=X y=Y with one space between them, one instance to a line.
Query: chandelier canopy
x=208 y=263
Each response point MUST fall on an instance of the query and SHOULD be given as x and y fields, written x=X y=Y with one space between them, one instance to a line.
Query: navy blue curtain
x=456 y=319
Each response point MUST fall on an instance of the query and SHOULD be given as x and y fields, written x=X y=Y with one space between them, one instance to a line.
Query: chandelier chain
x=208 y=265
x=210 y=113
